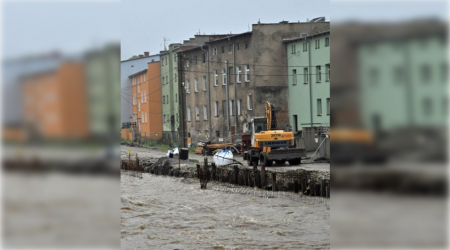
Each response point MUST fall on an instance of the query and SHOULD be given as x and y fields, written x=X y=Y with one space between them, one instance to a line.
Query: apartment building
x=228 y=80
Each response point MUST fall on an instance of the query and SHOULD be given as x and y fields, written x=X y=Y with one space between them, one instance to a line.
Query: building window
x=327 y=41
x=174 y=57
x=204 y=58
x=139 y=88
x=294 y=77
x=216 y=78
x=144 y=78
x=398 y=74
x=444 y=72
x=176 y=97
x=139 y=105
x=247 y=73
x=176 y=77
x=327 y=68
x=142 y=97
x=250 y=102
x=162 y=82
x=188 y=86
x=164 y=118
x=317 y=43
x=205 y=112
x=305 y=75
x=197 y=114
x=295 y=123
x=319 y=107
x=238 y=74
x=305 y=46
x=293 y=51
x=318 y=73
x=223 y=49
x=231 y=107
x=224 y=108
x=373 y=76
x=426 y=73
x=246 y=45
x=216 y=108
x=447 y=106
x=237 y=46
x=195 y=85
x=239 y=110
x=188 y=111
x=204 y=83
x=164 y=99
x=214 y=51
x=427 y=109
x=328 y=106
x=145 y=96
x=224 y=77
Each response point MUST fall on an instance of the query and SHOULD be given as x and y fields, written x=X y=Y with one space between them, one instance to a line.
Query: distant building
x=146 y=101
x=404 y=77
x=102 y=77
x=170 y=83
x=308 y=70
x=245 y=71
x=55 y=103
x=127 y=68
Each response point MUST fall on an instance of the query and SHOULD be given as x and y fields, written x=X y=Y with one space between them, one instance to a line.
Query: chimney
x=146 y=53
x=140 y=56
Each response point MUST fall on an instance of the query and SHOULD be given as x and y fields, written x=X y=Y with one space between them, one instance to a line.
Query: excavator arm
x=271 y=117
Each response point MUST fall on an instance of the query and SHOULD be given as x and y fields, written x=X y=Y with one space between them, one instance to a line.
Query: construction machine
x=269 y=144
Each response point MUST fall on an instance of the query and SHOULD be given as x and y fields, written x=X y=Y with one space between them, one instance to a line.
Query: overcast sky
x=140 y=25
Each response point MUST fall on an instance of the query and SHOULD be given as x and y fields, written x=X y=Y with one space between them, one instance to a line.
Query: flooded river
x=160 y=212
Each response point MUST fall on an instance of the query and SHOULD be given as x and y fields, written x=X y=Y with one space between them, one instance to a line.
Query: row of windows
x=230 y=48
x=138 y=80
x=319 y=107
x=216 y=78
x=307 y=76
x=166 y=118
x=231 y=107
x=399 y=74
x=143 y=98
x=166 y=99
x=143 y=118
x=165 y=79
x=316 y=45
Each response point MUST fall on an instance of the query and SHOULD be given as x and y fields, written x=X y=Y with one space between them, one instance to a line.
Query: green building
x=403 y=81
x=308 y=70
x=103 y=87
x=169 y=92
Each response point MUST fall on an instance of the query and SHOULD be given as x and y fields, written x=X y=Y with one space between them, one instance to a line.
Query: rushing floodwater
x=173 y=213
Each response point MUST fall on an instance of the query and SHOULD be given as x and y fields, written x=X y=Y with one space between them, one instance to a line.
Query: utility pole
x=181 y=89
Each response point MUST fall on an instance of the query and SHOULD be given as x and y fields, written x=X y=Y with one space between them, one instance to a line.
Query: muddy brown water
x=160 y=212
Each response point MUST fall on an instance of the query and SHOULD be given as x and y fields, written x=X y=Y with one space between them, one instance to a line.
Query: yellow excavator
x=271 y=143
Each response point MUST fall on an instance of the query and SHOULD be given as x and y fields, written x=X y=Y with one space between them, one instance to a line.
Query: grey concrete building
x=228 y=80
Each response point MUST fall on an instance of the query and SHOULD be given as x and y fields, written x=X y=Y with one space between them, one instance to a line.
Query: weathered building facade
x=228 y=80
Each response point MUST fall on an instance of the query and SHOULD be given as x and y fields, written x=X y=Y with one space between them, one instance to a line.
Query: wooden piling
x=322 y=188
x=198 y=171
x=274 y=181
x=236 y=175
x=296 y=186
x=213 y=171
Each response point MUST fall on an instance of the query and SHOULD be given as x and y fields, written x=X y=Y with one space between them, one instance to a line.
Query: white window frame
x=205 y=112
x=145 y=96
x=249 y=102
x=139 y=104
x=239 y=107
x=204 y=83
x=319 y=107
x=197 y=114
x=328 y=106
x=224 y=77
x=294 y=77
x=238 y=74
x=196 y=85
x=216 y=108
x=318 y=73
x=188 y=114
x=216 y=78
x=327 y=69
x=214 y=51
x=188 y=86
x=306 y=75
x=139 y=88
x=247 y=73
